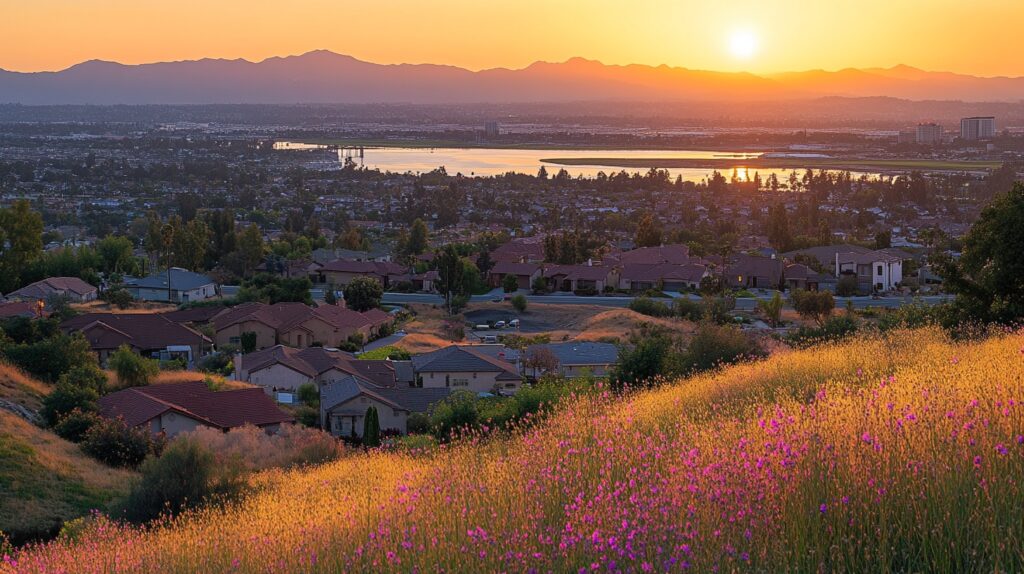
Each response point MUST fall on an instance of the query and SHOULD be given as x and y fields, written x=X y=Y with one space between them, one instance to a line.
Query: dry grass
x=98 y=306
x=901 y=453
x=17 y=387
x=45 y=480
x=166 y=377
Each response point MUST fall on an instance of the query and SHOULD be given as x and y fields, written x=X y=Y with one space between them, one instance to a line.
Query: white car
x=499 y=325
x=514 y=323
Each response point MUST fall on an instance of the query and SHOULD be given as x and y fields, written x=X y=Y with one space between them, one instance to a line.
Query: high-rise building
x=978 y=128
x=928 y=134
x=491 y=129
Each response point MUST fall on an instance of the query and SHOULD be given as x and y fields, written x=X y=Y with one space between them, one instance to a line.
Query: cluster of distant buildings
x=971 y=129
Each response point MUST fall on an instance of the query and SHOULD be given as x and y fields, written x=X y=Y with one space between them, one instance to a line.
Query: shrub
x=509 y=283
x=519 y=302
x=113 y=442
x=418 y=423
x=651 y=354
x=540 y=285
x=185 y=475
x=65 y=399
x=371 y=428
x=248 y=341
x=308 y=416
x=119 y=297
x=363 y=294
x=131 y=369
x=650 y=307
x=74 y=425
x=846 y=286
x=718 y=309
x=309 y=394
x=814 y=305
x=87 y=376
x=50 y=357
x=716 y=345
x=585 y=292
x=835 y=328
x=254 y=449
x=386 y=352
x=686 y=308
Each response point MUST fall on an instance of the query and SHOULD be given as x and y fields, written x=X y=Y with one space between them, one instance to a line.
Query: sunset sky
x=979 y=37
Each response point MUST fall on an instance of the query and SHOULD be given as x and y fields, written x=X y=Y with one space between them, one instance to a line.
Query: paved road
x=742 y=304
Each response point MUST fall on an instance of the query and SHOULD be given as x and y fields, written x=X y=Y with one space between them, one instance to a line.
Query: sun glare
x=743 y=44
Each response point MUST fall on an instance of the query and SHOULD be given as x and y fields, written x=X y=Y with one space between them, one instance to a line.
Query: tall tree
x=21 y=242
x=450 y=272
x=648 y=232
x=418 y=238
x=987 y=277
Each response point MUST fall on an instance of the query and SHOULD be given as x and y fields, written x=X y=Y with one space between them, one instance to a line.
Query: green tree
x=272 y=289
x=778 y=228
x=250 y=249
x=540 y=284
x=450 y=275
x=248 y=341
x=67 y=397
x=418 y=238
x=987 y=277
x=116 y=253
x=363 y=294
x=814 y=305
x=519 y=302
x=509 y=283
x=115 y=443
x=648 y=233
x=21 y=242
x=771 y=308
x=371 y=428
x=651 y=354
x=131 y=369
x=715 y=345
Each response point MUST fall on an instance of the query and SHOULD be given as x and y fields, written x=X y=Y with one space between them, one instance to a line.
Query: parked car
x=499 y=325
x=514 y=323
x=482 y=327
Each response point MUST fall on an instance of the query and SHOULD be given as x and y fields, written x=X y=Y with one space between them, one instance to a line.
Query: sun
x=743 y=44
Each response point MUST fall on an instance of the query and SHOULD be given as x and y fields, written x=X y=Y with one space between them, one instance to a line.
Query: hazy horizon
x=761 y=38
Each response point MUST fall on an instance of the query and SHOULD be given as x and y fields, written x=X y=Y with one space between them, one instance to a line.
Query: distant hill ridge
x=322 y=76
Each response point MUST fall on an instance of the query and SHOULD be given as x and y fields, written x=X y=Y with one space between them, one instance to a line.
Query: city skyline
x=734 y=36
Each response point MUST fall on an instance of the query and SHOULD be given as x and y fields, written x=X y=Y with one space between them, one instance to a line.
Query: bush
x=688 y=309
x=248 y=341
x=509 y=283
x=50 y=357
x=131 y=369
x=715 y=345
x=814 y=305
x=255 y=450
x=846 y=286
x=835 y=328
x=519 y=302
x=65 y=399
x=113 y=442
x=363 y=294
x=718 y=309
x=308 y=416
x=119 y=297
x=585 y=292
x=74 y=425
x=418 y=423
x=651 y=354
x=185 y=475
x=540 y=285
x=87 y=376
x=650 y=307
x=309 y=394
x=386 y=352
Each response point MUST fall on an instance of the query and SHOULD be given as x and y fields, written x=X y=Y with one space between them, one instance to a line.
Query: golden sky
x=970 y=36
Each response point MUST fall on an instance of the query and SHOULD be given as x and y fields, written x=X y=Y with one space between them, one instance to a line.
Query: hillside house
x=465 y=368
x=175 y=285
x=73 y=289
x=148 y=334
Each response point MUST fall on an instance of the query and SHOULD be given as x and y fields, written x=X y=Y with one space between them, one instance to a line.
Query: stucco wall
x=278 y=376
x=265 y=336
x=388 y=416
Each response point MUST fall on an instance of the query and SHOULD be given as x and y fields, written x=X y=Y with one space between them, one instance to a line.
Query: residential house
x=465 y=368
x=26 y=309
x=825 y=255
x=577 y=358
x=525 y=273
x=174 y=285
x=285 y=369
x=522 y=250
x=677 y=254
x=341 y=272
x=874 y=270
x=148 y=334
x=639 y=277
x=171 y=409
x=344 y=403
x=800 y=276
x=752 y=272
x=295 y=269
x=71 y=288
x=593 y=278
x=296 y=324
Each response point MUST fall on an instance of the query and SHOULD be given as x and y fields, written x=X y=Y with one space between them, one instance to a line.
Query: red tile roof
x=144 y=331
x=224 y=409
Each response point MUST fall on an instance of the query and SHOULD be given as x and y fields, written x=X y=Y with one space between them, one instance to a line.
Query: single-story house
x=748 y=271
x=576 y=358
x=26 y=309
x=668 y=276
x=175 y=408
x=71 y=288
x=174 y=285
x=296 y=324
x=677 y=254
x=148 y=334
x=581 y=277
x=343 y=405
x=285 y=369
x=521 y=250
x=341 y=272
x=525 y=273
x=800 y=276
x=462 y=367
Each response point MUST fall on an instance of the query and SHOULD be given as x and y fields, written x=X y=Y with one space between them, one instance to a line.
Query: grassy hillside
x=45 y=480
x=21 y=389
x=898 y=454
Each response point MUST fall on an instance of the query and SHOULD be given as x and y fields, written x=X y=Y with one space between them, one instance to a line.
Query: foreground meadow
x=898 y=454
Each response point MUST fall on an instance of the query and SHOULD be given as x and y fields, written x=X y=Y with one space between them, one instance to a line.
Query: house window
x=460 y=382
x=235 y=340
x=879 y=269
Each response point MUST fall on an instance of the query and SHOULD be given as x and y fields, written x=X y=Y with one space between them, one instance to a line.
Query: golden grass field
x=898 y=454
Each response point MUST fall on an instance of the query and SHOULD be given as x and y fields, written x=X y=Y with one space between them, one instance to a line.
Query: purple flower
x=823 y=508
x=1001 y=449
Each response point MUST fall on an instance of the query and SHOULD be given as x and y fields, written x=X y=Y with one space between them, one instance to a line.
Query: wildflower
x=1001 y=449
x=823 y=508
x=977 y=461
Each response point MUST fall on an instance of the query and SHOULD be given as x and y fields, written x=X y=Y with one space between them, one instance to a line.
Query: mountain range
x=326 y=77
